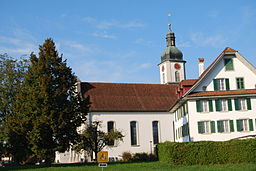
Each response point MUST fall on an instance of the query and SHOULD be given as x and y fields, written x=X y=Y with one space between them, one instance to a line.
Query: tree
x=12 y=73
x=48 y=107
x=93 y=140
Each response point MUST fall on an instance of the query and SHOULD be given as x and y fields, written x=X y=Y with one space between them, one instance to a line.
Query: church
x=217 y=106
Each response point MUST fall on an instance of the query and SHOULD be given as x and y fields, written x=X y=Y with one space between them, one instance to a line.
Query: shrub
x=208 y=152
x=142 y=157
x=126 y=156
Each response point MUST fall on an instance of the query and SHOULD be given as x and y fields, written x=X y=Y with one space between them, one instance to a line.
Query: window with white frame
x=221 y=84
x=242 y=125
x=204 y=127
x=223 y=126
x=223 y=105
x=134 y=133
x=243 y=104
x=110 y=125
x=204 y=105
x=155 y=127
x=240 y=83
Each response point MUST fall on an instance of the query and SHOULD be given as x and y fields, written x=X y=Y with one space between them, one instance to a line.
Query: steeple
x=172 y=66
x=171 y=52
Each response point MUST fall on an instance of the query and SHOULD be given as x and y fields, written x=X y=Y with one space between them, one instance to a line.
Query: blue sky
x=122 y=40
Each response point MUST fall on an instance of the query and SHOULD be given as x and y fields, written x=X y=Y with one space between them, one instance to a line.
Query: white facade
x=144 y=130
x=220 y=119
x=172 y=72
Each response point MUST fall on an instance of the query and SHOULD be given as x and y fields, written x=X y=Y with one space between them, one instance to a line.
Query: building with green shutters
x=221 y=104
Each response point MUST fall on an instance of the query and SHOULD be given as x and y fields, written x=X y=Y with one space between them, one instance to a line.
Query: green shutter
x=217 y=104
x=229 y=64
x=210 y=105
x=237 y=106
x=250 y=125
x=227 y=84
x=198 y=106
x=220 y=127
x=229 y=105
x=200 y=127
x=231 y=124
x=215 y=84
x=213 y=127
x=238 y=125
x=249 y=107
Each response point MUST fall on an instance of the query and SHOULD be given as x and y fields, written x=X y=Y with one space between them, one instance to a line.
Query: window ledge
x=135 y=145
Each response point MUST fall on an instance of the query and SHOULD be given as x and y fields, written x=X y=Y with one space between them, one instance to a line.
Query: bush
x=126 y=156
x=142 y=157
x=208 y=152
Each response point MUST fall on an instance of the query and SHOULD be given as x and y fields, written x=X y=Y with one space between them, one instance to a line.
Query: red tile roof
x=187 y=82
x=228 y=49
x=223 y=93
x=130 y=97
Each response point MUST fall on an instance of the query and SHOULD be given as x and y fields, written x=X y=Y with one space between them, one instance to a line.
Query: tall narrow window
x=163 y=77
x=177 y=76
x=155 y=126
x=111 y=128
x=240 y=83
x=133 y=128
x=224 y=105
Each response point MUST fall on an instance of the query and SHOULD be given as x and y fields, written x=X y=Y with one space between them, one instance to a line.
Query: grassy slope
x=134 y=166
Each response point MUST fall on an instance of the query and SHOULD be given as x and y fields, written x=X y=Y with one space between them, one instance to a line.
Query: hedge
x=208 y=152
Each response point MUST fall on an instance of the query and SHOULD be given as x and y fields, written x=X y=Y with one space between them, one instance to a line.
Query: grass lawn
x=147 y=166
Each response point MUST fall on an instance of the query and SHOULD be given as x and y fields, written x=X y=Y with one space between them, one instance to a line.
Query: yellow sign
x=102 y=157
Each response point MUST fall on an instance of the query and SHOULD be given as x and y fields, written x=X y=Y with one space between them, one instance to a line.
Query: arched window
x=177 y=76
x=155 y=126
x=111 y=128
x=133 y=128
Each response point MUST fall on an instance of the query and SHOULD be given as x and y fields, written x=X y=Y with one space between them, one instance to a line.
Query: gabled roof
x=226 y=51
x=123 y=97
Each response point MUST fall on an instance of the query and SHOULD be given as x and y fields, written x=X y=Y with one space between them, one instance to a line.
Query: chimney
x=201 y=65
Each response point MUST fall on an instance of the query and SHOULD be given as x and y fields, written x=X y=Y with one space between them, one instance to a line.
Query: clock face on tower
x=162 y=68
x=177 y=66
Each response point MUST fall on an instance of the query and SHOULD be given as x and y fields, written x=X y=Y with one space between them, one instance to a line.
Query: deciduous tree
x=93 y=140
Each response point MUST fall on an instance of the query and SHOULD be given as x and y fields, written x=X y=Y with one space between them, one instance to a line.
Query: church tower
x=172 y=66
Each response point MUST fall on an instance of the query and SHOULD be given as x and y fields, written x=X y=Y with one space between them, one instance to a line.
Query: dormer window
x=229 y=64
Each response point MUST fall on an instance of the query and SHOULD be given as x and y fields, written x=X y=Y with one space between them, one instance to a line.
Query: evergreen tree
x=48 y=107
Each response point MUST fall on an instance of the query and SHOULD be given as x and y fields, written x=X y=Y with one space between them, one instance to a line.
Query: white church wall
x=145 y=135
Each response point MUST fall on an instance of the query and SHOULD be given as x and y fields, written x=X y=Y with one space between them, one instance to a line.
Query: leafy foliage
x=208 y=152
x=48 y=108
x=92 y=139
x=12 y=73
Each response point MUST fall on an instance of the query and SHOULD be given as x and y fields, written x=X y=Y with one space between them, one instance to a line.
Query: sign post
x=102 y=158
